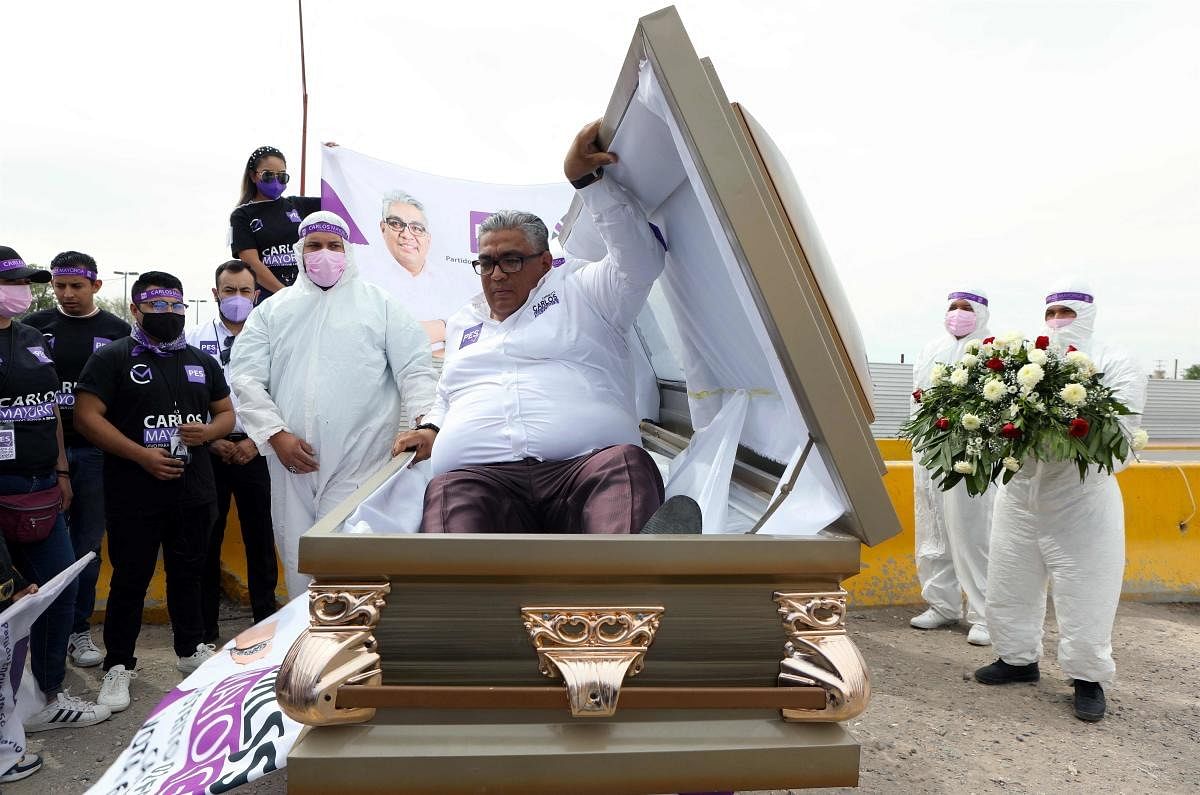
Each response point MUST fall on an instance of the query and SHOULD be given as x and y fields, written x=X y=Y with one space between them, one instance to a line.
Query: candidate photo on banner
x=417 y=232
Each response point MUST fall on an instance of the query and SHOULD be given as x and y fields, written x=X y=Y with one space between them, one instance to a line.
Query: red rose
x=1042 y=343
x=1071 y=348
x=1010 y=431
x=917 y=395
x=942 y=423
x=1079 y=428
x=989 y=340
x=995 y=364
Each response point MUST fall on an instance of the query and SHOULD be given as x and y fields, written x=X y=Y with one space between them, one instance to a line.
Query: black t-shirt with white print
x=71 y=341
x=271 y=228
x=28 y=394
x=146 y=398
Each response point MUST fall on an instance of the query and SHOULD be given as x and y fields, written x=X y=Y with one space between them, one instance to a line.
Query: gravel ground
x=930 y=728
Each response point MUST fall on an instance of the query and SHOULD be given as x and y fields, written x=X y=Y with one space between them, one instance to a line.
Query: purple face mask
x=235 y=308
x=1060 y=322
x=960 y=322
x=272 y=189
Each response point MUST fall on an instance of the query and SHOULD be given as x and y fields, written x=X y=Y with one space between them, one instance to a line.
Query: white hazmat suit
x=952 y=528
x=1050 y=528
x=336 y=368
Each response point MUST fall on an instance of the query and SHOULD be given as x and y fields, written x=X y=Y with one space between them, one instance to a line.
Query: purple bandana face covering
x=272 y=190
x=72 y=270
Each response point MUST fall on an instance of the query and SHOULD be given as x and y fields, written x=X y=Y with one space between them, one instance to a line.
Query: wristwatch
x=427 y=426
x=587 y=179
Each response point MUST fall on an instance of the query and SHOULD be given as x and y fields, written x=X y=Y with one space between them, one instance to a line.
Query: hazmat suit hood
x=1074 y=294
x=945 y=347
x=323 y=221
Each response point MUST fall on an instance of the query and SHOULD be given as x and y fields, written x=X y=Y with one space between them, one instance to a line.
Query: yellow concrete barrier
x=1162 y=543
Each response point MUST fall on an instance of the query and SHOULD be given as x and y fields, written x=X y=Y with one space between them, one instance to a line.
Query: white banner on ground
x=430 y=273
x=14 y=646
x=222 y=726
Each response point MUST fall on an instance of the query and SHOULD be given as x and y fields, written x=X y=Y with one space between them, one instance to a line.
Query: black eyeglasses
x=417 y=228
x=510 y=263
x=271 y=176
x=226 y=350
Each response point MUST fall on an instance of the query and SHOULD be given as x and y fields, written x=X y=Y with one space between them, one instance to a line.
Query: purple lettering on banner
x=195 y=373
x=28 y=413
x=99 y=342
x=979 y=299
x=323 y=226
x=470 y=336
x=1087 y=299
x=157 y=437
x=39 y=353
x=477 y=218
x=11 y=264
x=545 y=303
x=157 y=293
x=72 y=270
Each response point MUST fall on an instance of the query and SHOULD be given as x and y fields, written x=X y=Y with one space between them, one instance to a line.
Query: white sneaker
x=114 y=690
x=24 y=767
x=931 y=619
x=979 y=636
x=203 y=652
x=82 y=651
x=67 y=712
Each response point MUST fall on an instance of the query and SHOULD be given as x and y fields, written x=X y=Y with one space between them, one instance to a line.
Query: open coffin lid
x=430 y=643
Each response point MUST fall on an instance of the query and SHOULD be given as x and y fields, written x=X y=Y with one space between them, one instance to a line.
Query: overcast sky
x=1000 y=145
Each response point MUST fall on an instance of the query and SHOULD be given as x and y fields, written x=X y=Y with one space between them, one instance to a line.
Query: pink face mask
x=960 y=322
x=1060 y=322
x=324 y=266
x=15 y=299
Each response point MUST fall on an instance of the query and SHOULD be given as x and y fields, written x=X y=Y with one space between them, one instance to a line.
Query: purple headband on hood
x=1087 y=299
x=324 y=226
x=979 y=299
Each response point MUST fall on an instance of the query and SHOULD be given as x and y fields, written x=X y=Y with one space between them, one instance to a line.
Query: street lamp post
x=197 y=302
x=125 y=303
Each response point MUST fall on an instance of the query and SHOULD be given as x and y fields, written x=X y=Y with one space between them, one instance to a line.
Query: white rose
x=986 y=349
x=958 y=377
x=1030 y=375
x=1014 y=409
x=971 y=422
x=1082 y=363
x=969 y=360
x=1038 y=357
x=964 y=467
x=1073 y=394
x=1140 y=439
x=972 y=346
x=994 y=390
x=938 y=374
x=1011 y=464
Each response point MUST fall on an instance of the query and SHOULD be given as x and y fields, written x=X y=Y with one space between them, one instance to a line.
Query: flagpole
x=304 y=93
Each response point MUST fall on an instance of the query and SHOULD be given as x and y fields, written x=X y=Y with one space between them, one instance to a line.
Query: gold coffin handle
x=593 y=649
x=338 y=648
x=819 y=653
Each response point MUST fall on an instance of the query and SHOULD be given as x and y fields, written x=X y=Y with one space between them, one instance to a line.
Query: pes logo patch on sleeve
x=471 y=336
x=195 y=373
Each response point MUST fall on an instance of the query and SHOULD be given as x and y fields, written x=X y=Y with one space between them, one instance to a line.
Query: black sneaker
x=1089 y=701
x=679 y=515
x=1001 y=673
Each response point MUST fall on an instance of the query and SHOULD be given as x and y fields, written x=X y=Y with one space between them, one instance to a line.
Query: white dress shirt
x=210 y=338
x=553 y=380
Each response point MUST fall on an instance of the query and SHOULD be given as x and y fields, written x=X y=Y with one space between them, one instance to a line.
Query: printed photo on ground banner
x=222 y=726
x=417 y=232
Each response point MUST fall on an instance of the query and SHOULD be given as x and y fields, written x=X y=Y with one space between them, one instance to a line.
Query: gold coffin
x=639 y=664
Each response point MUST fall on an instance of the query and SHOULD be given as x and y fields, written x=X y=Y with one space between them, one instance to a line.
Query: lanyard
x=171 y=389
x=12 y=352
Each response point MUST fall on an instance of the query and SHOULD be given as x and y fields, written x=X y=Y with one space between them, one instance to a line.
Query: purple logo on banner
x=195 y=373
x=477 y=218
x=97 y=343
x=39 y=353
x=470 y=336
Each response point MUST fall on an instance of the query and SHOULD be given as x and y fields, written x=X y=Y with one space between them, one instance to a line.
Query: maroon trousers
x=614 y=490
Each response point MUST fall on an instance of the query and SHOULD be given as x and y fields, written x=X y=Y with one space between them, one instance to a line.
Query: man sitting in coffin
x=534 y=428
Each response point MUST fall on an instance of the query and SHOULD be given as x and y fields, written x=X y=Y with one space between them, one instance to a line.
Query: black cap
x=12 y=267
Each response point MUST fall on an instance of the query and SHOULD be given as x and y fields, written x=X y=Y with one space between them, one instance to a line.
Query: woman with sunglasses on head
x=262 y=230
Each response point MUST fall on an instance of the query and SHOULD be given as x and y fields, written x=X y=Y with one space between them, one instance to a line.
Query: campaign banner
x=417 y=233
x=222 y=726
x=18 y=702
